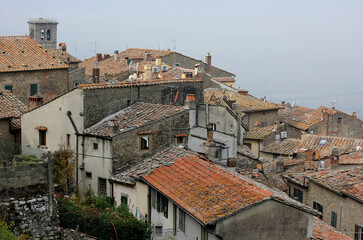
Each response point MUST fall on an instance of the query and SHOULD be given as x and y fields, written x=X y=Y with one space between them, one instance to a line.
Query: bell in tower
x=44 y=31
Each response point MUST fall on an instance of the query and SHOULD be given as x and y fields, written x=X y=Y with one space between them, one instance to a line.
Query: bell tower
x=44 y=31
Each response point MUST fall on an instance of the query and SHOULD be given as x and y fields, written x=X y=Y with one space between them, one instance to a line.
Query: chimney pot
x=115 y=53
x=99 y=57
x=148 y=56
x=106 y=55
x=208 y=61
x=354 y=114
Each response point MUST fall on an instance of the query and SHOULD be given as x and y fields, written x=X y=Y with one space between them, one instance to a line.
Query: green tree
x=63 y=167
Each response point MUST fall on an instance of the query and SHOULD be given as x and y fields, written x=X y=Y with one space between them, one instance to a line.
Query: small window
x=158 y=230
x=179 y=140
x=42 y=137
x=318 y=207
x=162 y=204
x=298 y=195
x=68 y=140
x=214 y=126
x=249 y=145
x=89 y=175
x=33 y=89
x=95 y=146
x=102 y=186
x=218 y=154
x=48 y=35
x=153 y=198
x=76 y=84
x=323 y=141
x=358 y=232
x=177 y=64
x=144 y=143
x=128 y=103
x=181 y=220
x=334 y=218
x=42 y=33
x=339 y=120
x=204 y=234
x=124 y=199
x=9 y=88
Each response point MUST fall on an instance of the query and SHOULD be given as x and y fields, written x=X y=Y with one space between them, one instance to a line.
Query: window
x=204 y=234
x=218 y=153
x=158 y=230
x=42 y=138
x=179 y=139
x=68 y=140
x=177 y=64
x=213 y=126
x=358 y=232
x=102 y=186
x=33 y=89
x=181 y=220
x=298 y=195
x=334 y=218
x=75 y=84
x=322 y=142
x=162 y=204
x=318 y=207
x=48 y=35
x=144 y=143
x=42 y=33
x=339 y=120
x=153 y=198
x=9 y=88
x=89 y=175
x=263 y=124
x=124 y=199
x=128 y=103
x=95 y=146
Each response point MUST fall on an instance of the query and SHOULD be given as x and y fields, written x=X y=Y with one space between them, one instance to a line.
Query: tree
x=63 y=160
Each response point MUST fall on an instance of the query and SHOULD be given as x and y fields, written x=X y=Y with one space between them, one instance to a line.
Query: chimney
x=354 y=114
x=148 y=56
x=99 y=57
x=115 y=53
x=243 y=92
x=208 y=61
x=34 y=101
x=209 y=146
x=158 y=61
x=334 y=160
x=96 y=74
x=62 y=46
x=190 y=103
x=112 y=125
x=147 y=72
x=196 y=69
x=324 y=128
x=106 y=55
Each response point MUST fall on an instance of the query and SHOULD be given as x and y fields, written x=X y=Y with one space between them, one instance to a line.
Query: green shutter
x=9 y=87
x=33 y=89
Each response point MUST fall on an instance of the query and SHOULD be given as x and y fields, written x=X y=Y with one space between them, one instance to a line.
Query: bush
x=63 y=168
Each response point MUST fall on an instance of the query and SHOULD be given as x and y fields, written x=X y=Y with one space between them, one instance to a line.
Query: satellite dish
x=131 y=78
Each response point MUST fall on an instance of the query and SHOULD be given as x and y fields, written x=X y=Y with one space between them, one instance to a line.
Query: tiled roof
x=323 y=231
x=260 y=133
x=347 y=182
x=11 y=107
x=132 y=117
x=136 y=83
x=110 y=66
x=22 y=53
x=245 y=103
x=224 y=79
x=286 y=147
x=61 y=55
x=345 y=145
x=354 y=158
x=207 y=191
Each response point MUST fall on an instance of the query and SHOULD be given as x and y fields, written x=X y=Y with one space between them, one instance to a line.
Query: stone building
x=44 y=31
x=30 y=73
x=10 y=110
x=126 y=136
x=335 y=194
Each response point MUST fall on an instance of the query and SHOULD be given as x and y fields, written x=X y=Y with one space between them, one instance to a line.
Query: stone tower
x=44 y=31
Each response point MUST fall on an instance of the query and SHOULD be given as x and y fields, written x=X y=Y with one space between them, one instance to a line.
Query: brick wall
x=99 y=103
x=126 y=146
x=51 y=83
x=24 y=175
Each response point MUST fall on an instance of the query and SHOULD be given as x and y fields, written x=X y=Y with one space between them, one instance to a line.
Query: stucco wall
x=51 y=83
x=269 y=220
x=255 y=148
x=269 y=116
x=54 y=117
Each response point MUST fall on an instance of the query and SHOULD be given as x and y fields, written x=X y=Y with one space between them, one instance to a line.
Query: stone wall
x=31 y=216
x=51 y=83
x=126 y=146
x=100 y=103
x=268 y=116
x=5 y=134
x=24 y=175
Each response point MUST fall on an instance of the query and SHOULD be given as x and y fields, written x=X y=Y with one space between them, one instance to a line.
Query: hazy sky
x=307 y=51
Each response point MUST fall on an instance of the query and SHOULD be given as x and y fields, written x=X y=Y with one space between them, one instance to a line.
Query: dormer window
x=48 y=35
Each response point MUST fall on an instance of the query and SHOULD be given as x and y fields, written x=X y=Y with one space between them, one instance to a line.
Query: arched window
x=48 y=35
x=42 y=32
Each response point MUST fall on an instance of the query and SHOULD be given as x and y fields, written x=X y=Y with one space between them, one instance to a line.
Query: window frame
x=95 y=146
x=358 y=232
x=317 y=206
x=9 y=87
x=298 y=195
x=145 y=144
x=181 y=218
x=102 y=186
x=89 y=175
x=124 y=196
x=68 y=140
x=42 y=137
x=334 y=219
x=35 y=92
x=48 y=35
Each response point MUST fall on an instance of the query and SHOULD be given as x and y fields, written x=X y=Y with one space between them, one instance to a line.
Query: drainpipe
x=69 y=114
x=149 y=204
x=259 y=147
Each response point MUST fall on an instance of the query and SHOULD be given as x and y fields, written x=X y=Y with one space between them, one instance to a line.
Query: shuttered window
x=334 y=218
x=33 y=89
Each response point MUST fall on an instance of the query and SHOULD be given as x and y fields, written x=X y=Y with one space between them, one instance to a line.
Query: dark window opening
x=95 y=146
x=181 y=220
x=339 y=120
x=298 y=195
x=334 y=218
x=358 y=232
x=68 y=140
x=128 y=103
x=214 y=126
x=102 y=186
x=124 y=200
x=48 y=35
x=162 y=204
x=42 y=137
x=89 y=175
x=177 y=64
x=144 y=143
x=76 y=84
x=33 y=89
x=9 y=88
x=179 y=140
x=249 y=145
x=318 y=207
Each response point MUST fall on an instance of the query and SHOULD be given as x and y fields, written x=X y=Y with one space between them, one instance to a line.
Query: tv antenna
x=334 y=104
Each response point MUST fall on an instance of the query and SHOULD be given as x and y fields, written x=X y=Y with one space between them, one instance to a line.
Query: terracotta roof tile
x=224 y=79
x=260 y=133
x=323 y=231
x=132 y=117
x=22 y=53
x=354 y=158
x=61 y=55
x=286 y=147
x=11 y=108
x=246 y=103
